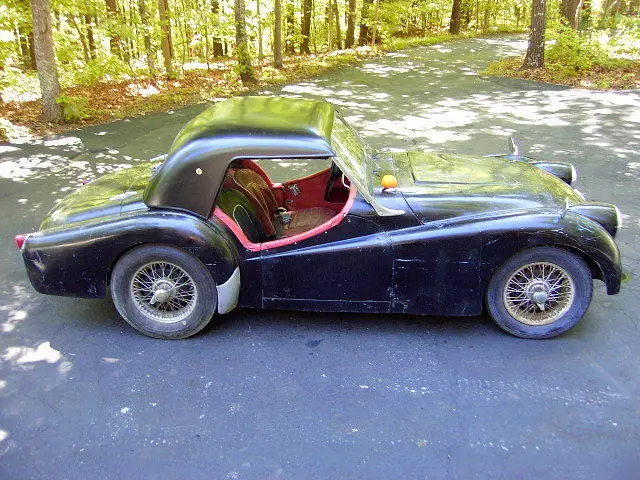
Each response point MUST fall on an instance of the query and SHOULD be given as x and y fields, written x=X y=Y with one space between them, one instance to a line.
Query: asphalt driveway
x=287 y=395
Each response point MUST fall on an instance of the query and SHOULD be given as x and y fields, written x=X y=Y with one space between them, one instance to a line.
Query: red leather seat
x=305 y=219
x=254 y=187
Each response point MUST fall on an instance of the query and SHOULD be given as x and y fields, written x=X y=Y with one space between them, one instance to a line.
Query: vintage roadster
x=206 y=229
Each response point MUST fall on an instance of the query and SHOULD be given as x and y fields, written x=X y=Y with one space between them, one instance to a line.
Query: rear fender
x=77 y=261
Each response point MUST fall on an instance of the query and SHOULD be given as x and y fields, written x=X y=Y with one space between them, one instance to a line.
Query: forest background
x=64 y=63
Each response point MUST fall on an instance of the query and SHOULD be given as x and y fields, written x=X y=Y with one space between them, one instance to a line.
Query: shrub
x=574 y=53
x=74 y=109
x=102 y=68
x=625 y=37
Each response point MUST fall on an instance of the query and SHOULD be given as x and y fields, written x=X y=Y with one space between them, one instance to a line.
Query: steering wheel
x=333 y=176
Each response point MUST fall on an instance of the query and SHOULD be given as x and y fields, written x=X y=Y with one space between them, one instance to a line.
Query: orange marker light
x=389 y=181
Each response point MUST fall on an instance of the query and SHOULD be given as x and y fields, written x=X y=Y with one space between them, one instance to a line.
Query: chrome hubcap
x=538 y=293
x=163 y=292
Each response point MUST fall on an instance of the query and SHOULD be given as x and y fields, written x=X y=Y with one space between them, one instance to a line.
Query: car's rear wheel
x=163 y=292
x=540 y=293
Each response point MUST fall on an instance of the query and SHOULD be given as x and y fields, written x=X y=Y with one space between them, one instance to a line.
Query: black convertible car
x=206 y=229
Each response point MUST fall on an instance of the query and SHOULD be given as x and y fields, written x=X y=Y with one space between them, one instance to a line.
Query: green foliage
x=103 y=68
x=503 y=68
x=6 y=50
x=588 y=59
x=574 y=53
x=271 y=75
x=243 y=67
x=625 y=37
x=74 y=109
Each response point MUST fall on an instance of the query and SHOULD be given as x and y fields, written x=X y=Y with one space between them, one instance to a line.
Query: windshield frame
x=344 y=159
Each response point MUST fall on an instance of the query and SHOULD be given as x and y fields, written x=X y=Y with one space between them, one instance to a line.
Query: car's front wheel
x=163 y=292
x=540 y=293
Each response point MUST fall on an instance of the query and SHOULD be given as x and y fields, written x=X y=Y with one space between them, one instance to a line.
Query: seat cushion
x=254 y=187
x=240 y=209
x=305 y=219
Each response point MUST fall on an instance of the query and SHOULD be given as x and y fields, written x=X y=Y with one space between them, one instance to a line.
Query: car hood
x=107 y=195
x=442 y=186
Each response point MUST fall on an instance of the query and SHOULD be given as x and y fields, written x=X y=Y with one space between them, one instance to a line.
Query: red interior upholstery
x=305 y=219
x=276 y=188
x=259 y=194
x=311 y=192
x=254 y=247
x=303 y=212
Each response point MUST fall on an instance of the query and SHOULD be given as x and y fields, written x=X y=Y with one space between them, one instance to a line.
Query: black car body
x=429 y=246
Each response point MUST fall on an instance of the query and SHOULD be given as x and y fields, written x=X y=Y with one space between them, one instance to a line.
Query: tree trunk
x=476 y=14
x=454 y=24
x=535 y=52
x=182 y=28
x=188 y=33
x=131 y=50
x=114 y=39
x=277 y=34
x=45 y=60
x=570 y=11
x=290 y=18
x=351 y=24
x=144 y=19
x=305 y=26
x=375 y=23
x=466 y=12
x=218 y=51
x=336 y=15
x=83 y=40
x=365 y=34
x=25 y=50
x=32 y=48
x=329 y=20
x=167 y=47
x=259 y=31
x=245 y=69
x=88 y=20
x=488 y=7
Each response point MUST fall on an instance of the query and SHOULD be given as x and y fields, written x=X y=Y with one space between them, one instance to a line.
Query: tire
x=185 y=293
x=529 y=276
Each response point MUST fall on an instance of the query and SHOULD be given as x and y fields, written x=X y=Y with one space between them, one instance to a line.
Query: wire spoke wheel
x=163 y=292
x=538 y=293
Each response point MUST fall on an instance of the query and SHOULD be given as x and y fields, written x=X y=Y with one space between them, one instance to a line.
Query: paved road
x=288 y=395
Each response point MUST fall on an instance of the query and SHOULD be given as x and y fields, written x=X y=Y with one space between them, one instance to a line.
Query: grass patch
x=619 y=75
x=588 y=60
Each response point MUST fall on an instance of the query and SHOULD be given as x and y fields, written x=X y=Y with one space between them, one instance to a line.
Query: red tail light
x=20 y=239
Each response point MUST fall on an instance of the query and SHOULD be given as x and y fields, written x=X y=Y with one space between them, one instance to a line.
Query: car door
x=346 y=268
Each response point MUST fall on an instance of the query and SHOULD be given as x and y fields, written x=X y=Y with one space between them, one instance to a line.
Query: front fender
x=77 y=261
x=503 y=237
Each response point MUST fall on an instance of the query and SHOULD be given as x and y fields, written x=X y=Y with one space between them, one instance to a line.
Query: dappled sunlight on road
x=15 y=307
x=35 y=360
x=72 y=366
x=26 y=357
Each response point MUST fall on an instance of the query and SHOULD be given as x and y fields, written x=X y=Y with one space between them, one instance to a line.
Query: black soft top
x=244 y=127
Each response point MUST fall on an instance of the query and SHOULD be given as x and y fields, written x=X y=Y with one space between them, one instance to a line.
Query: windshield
x=353 y=156
x=350 y=149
